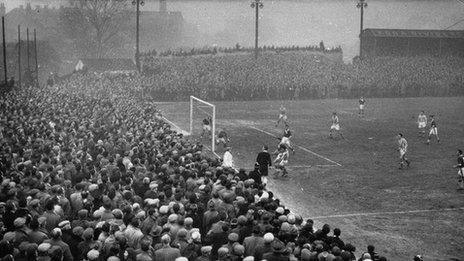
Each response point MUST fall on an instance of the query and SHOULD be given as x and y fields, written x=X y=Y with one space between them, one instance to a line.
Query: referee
x=264 y=161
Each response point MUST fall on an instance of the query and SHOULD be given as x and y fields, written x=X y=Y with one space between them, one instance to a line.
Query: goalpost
x=203 y=108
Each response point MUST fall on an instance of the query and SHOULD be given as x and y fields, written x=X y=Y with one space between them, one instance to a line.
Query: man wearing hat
x=36 y=236
x=93 y=255
x=56 y=241
x=241 y=229
x=20 y=233
x=264 y=161
x=42 y=252
x=133 y=233
x=188 y=224
x=252 y=242
x=149 y=221
x=181 y=241
x=52 y=218
x=76 y=239
x=145 y=253
x=82 y=219
x=237 y=252
x=278 y=252
x=265 y=248
x=76 y=200
x=209 y=216
x=65 y=227
x=223 y=254
x=88 y=243
x=205 y=253
x=232 y=239
x=34 y=207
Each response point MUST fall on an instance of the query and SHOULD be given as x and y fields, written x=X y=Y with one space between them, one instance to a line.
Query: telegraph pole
x=36 y=62
x=4 y=51
x=28 y=52
x=256 y=4
x=19 y=55
x=361 y=4
x=137 y=3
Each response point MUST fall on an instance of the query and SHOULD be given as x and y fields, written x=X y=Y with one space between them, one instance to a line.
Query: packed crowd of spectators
x=89 y=171
x=182 y=52
x=301 y=75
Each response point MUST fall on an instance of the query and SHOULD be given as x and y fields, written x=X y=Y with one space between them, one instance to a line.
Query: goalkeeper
x=206 y=127
x=223 y=138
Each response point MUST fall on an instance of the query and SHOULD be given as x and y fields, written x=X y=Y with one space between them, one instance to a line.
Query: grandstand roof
x=372 y=32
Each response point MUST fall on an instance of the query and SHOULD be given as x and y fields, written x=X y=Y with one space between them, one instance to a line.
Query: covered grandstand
x=402 y=42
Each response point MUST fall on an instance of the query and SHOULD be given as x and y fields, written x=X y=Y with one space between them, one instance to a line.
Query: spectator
x=55 y=241
x=167 y=253
x=253 y=242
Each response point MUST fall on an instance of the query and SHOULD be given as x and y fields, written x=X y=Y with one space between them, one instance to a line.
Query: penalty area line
x=389 y=213
x=300 y=147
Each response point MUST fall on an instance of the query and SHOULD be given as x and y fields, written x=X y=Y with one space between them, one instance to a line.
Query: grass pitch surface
x=402 y=212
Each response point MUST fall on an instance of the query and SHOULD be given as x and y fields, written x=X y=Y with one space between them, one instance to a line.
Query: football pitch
x=354 y=183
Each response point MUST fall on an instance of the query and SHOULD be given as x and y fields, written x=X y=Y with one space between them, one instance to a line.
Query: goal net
x=199 y=111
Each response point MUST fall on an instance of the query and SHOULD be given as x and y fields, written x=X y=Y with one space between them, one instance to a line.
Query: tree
x=94 y=26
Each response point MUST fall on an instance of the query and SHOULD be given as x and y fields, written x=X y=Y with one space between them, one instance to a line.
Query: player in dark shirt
x=287 y=132
x=206 y=126
x=286 y=139
x=362 y=103
x=223 y=138
x=433 y=130
x=460 y=167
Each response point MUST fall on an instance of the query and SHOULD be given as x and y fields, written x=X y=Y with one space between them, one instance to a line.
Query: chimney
x=162 y=6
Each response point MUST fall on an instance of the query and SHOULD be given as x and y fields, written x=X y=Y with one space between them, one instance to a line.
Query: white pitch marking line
x=215 y=154
x=303 y=148
x=309 y=166
x=389 y=213
x=175 y=126
x=301 y=166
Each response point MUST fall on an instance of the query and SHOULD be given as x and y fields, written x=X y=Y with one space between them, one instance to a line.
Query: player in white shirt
x=335 y=127
x=422 y=123
x=228 y=159
x=282 y=115
x=281 y=160
x=403 y=149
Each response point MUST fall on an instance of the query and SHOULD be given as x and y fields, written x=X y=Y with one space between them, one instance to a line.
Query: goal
x=199 y=110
